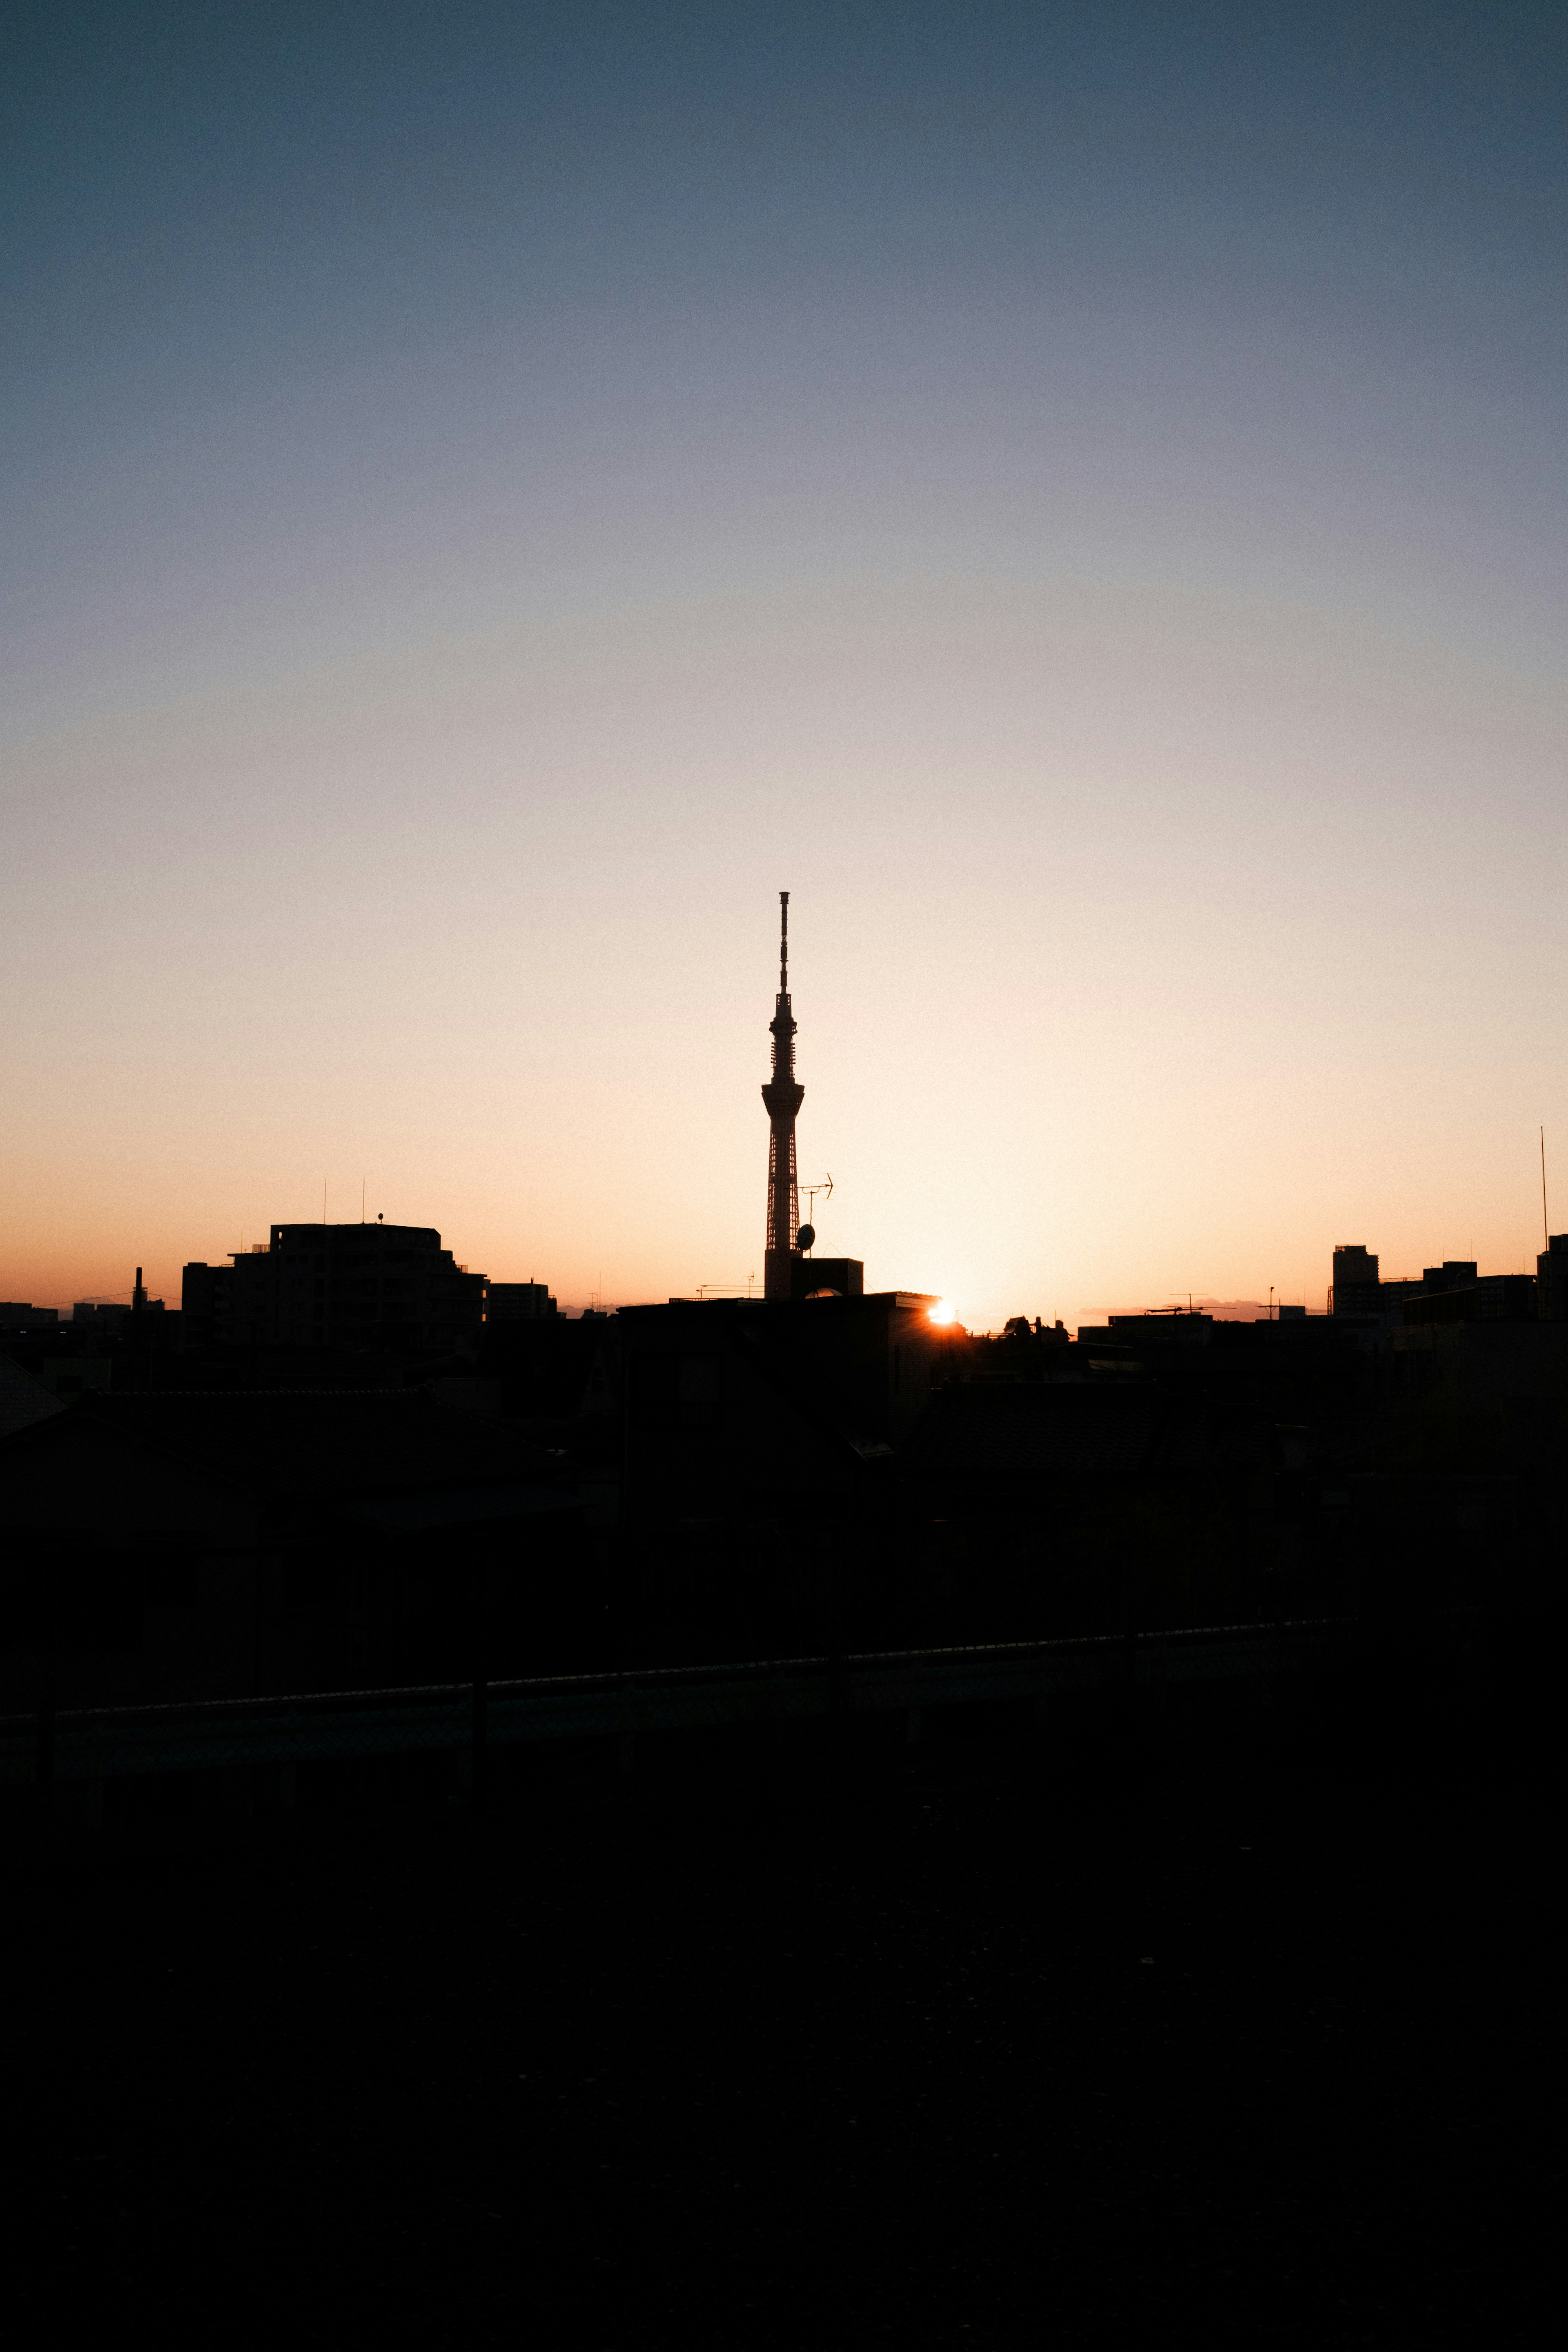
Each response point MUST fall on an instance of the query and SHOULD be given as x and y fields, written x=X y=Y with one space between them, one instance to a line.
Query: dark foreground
x=1259 y=2048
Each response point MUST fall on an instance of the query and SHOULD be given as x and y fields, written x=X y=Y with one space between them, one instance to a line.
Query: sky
x=490 y=495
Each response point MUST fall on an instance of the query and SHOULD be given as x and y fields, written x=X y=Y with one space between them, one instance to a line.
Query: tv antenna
x=811 y=1191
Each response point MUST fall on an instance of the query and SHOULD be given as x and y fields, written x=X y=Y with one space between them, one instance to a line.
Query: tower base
x=836 y=1277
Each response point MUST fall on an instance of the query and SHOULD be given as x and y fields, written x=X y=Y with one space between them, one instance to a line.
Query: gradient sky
x=491 y=494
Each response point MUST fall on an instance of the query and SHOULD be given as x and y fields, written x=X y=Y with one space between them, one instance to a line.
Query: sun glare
x=944 y=1313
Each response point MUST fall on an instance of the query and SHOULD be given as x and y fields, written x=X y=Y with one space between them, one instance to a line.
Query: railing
x=112 y=1743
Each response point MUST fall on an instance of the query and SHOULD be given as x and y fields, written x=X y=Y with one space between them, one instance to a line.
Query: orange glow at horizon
x=574 y=1096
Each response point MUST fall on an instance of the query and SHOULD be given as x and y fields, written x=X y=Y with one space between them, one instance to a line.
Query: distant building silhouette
x=1485 y=1298
x=516 y=1302
x=1159 y=1327
x=17 y=1317
x=1358 y=1288
x=1552 y=1280
x=1454 y=1293
x=1355 y=1280
x=206 y=1306
x=1454 y=1273
x=336 y=1286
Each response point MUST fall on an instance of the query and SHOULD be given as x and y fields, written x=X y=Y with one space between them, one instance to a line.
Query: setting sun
x=942 y=1312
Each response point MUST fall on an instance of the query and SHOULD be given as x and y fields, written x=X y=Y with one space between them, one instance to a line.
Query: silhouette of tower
x=782 y=1099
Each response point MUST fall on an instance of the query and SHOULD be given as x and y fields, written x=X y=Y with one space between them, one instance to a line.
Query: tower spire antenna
x=782 y=1097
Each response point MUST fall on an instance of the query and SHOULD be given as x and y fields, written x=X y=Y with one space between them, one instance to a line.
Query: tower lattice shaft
x=782 y=1099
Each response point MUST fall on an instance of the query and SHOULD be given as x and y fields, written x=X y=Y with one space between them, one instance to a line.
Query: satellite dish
x=806 y=1237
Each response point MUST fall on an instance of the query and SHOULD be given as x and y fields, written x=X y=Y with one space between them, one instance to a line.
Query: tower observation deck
x=781 y=1098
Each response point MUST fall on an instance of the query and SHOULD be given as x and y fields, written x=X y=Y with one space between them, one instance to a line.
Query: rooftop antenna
x=1544 y=1218
x=361 y=1200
